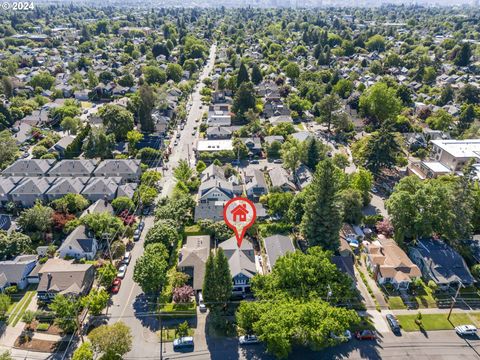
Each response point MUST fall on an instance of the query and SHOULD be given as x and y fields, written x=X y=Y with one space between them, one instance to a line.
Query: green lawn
x=396 y=303
x=424 y=298
x=168 y=335
x=17 y=313
x=433 y=321
x=194 y=230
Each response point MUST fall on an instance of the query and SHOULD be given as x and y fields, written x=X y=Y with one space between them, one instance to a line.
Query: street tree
x=96 y=301
x=106 y=274
x=292 y=152
x=150 y=270
x=164 y=232
x=83 y=352
x=65 y=309
x=112 y=341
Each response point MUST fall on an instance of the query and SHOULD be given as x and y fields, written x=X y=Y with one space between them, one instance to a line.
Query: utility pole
x=454 y=300
x=106 y=237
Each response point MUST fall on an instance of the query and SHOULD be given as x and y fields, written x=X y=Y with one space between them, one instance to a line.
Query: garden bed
x=179 y=310
x=45 y=346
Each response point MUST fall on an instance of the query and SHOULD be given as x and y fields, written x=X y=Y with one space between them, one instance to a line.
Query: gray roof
x=33 y=185
x=127 y=190
x=100 y=185
x=240 y=260
x=12 y=271
x=213 y=172
x=195 y=254
x=79 y=239
x=65 y=277
x=222 y=185
x=68 y=185
x=276 y=246
x=6 y=185
x=73 y=168
x=443 y=263
x=270 y=139
x=118 y=166
x=279 y=178
x=27 y=167
x=99 y=206
x=64 y=142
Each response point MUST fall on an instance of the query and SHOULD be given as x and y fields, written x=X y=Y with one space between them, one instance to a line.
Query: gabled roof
x=33 y=186
x=78 y=239
x=118 y=166
x=73 y=168
x=27 y=167
x=195 y=254
x=444 y=264
x=127 y=190
x=213 y=172
x=279 y=178
x=100 y=185
x=6 y=185
x=12 y=271
x=99 y=206
x=277 y=246
x=65 y=277
x=68 y=185
x=241 y=260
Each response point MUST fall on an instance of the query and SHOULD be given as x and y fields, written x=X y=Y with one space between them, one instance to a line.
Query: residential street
x=130 y=305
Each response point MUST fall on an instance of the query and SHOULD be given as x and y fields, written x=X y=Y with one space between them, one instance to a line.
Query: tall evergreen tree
x=209 y=281
x=145 y=107
x=244 y=99
x=223 y=277
x=242 y=75
x=256 y=75
x=322 y=219
x=382 y=150
x=463 y=55
x=217 y=283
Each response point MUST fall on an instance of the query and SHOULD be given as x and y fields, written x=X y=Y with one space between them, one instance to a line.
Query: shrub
x=11 y=290
x=182 y=294
x=432 y=285
x=43 y=326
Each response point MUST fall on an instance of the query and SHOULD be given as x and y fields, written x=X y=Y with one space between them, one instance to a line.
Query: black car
x=393 y=323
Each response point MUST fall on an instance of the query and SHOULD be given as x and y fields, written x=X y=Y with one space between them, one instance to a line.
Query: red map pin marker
x=239 y=214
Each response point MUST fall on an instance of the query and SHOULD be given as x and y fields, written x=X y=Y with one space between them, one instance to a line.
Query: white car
x=121 y=271
x=466 y=330
x=127 y=257
x=248 y=339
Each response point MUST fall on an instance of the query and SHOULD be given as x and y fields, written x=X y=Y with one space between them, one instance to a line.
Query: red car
x=115 y=286
x=365 y=335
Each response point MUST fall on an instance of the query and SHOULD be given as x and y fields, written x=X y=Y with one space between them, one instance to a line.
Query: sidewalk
x=373 y=285
x=365 y=295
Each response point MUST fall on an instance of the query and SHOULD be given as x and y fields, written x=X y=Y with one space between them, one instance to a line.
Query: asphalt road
x=130 y=304
x=437 y=345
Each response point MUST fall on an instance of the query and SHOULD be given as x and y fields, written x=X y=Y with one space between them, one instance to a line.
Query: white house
x=79 y=245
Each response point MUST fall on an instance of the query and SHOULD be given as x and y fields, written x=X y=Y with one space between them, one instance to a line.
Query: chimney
x=49 y=276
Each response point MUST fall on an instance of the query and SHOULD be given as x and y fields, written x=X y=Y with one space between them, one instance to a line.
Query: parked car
x=465 y=330
x=278 y=161
x=146 y=211
x=183 y=343
x=248 y=339
x=394 y=325
x=115 y=286
x=365 y=335
x=194 y=132
x=201 y=304
x=126 y=258
x=175 y=142
x=136 y=235
x=121 y=271
x=254 y=161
